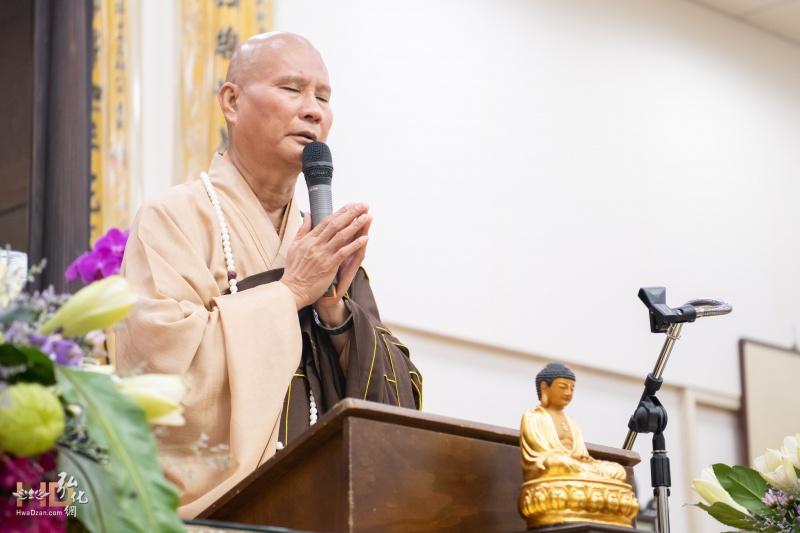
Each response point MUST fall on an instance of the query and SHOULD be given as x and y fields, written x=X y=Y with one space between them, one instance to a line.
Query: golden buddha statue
x=563 y=483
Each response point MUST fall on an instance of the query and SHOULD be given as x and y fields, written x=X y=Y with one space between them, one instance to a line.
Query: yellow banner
x=111 y=132
x=211 y=31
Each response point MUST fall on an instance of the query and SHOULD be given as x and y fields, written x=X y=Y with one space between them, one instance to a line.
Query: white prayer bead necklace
x=226 y=248
x=312 y=415
x=312 y=408
x=226 y=240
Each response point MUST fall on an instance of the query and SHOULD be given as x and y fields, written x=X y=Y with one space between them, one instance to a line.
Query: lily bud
x=96 y=306
x=160 y=396
x=712 y=492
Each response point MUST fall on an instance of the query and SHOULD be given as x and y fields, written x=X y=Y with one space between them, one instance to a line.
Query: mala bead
x=224 y=233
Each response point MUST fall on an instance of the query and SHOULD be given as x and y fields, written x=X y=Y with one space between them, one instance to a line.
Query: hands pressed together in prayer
x=337 y=244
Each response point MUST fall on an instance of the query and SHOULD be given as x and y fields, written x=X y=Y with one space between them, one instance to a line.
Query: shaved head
x=256 y=53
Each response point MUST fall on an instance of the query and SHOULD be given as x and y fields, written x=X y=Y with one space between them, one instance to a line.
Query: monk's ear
x=228 y=97
x=545 y=401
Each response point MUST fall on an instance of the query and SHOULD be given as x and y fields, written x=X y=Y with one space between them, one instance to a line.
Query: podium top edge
x=352 y=407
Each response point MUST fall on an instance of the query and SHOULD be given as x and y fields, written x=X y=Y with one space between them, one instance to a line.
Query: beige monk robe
x=238 y=352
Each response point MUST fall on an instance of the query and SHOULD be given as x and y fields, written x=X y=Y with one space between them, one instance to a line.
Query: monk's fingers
x=354 y=250
x=349 y=268
x=311 y=260
x=348 y=234
x=364 y=230
x=350 y=249
x=357 y=257
x=321 y=225
x=340 y=220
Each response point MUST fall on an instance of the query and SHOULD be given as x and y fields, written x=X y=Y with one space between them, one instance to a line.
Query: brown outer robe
x=379 y=368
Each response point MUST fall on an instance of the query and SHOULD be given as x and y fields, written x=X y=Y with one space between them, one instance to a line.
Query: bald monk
x=232 y=278
x=551 y=441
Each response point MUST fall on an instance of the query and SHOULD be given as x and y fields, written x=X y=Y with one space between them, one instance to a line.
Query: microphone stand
x=650 y=416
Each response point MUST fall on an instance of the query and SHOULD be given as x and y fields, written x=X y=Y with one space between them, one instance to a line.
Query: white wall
x=530 y=165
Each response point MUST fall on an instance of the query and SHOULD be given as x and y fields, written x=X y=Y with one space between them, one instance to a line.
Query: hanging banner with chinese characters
x=111 y=119
x=211 y=31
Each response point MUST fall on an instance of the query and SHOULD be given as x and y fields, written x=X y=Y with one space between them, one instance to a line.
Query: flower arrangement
x=77 y=451
x=765 y=499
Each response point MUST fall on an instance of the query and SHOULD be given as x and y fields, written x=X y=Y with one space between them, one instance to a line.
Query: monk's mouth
x=308 y=136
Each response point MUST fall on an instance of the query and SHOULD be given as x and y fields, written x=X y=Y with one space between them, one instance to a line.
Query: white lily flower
x=791 y=450
x=712 y=492
x=96 y=306
x=777 y=469
x=160 y=396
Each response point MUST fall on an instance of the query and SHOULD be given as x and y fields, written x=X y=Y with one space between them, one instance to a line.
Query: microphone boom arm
x=664 y=319
x=650 y=416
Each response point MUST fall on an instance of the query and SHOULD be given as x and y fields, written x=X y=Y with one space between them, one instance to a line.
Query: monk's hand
x=315 y=256
x=332 y=311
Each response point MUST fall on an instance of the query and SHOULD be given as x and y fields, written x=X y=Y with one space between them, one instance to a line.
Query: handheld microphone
x=318 y=171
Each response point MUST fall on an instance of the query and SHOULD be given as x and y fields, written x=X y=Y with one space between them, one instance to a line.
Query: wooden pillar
x=45 y=99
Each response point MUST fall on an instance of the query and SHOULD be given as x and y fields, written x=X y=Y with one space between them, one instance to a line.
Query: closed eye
x=321 y=99
x=290 y=89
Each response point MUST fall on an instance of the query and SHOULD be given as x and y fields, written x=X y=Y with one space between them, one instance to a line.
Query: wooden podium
x=367 y=467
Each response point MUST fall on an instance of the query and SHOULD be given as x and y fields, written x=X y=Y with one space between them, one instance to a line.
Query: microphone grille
x=316 y=154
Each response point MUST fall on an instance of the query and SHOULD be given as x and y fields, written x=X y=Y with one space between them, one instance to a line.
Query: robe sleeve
x=379 y=367
x=237 y=352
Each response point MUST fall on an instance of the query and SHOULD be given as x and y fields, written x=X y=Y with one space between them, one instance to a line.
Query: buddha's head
x=555 y=385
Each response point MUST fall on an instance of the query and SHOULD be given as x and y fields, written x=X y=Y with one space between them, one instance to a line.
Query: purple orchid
x=103 y=260
x=60 y=350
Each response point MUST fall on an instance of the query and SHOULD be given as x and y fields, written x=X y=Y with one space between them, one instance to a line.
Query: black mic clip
x=661 y=315
x=650 y=416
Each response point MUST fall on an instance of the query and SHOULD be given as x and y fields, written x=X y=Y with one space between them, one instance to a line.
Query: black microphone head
x=316 y=151
x=317 y=161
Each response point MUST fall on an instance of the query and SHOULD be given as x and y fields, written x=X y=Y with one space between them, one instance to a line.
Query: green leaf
x=142 y=498
x=39 y=366
x=745 y=485
x=725 y=514
x=101 y=510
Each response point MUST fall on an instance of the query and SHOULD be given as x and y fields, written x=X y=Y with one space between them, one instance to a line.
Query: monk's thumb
x=305 y=227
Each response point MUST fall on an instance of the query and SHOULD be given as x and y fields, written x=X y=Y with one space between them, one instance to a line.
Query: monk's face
x=282 y=103
x=559 y=393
